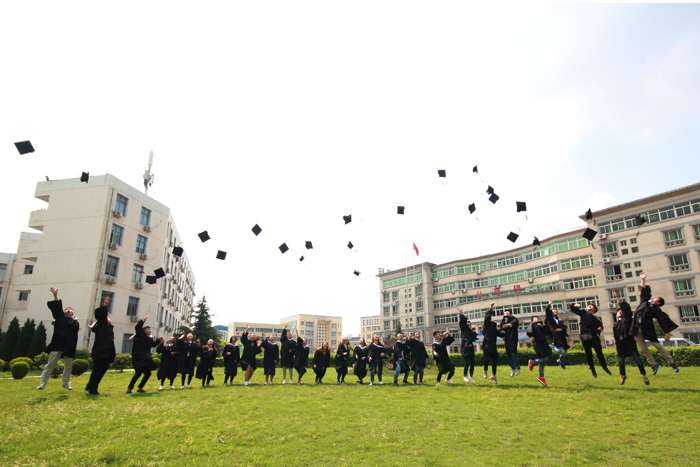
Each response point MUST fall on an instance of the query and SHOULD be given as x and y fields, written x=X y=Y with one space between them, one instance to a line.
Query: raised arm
x=488 y=317
x=576 y=309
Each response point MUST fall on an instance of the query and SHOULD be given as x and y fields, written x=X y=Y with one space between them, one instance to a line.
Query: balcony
x=616 y=277
x=680 y=267
x=37 y=219
x=690 y=319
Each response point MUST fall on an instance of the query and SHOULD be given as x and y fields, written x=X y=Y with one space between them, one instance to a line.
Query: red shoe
x=530 y=365
x=542 y=381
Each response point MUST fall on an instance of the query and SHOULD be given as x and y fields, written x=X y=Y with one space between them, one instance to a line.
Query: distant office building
x=316 y=329
x=222 y=331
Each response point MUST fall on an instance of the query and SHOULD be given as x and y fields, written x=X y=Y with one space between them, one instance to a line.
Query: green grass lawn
x=577 y=420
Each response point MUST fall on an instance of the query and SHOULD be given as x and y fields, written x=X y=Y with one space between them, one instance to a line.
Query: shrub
x=2 y=365
x=40 y=361
x=58 y=369
x=90 y=362
x=81 y=354
x=156 y=362
x=121 y=362
x=26 y=360
x=80 y=366
x=19 y=370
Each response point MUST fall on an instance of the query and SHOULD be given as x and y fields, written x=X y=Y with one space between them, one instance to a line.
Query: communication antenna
x=147 y=175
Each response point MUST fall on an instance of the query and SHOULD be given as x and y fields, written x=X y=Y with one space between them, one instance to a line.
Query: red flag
x=415 y=248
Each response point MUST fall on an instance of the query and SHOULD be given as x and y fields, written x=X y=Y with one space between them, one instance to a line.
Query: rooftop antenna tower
x=147 y=175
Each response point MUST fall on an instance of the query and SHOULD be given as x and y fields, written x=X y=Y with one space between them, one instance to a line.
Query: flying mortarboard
x=347 y=219
x=85 y=177
x=536 y=242
x=350 y=245
x=475 y=170
x=309 y=246
x=521 y=206
x=301 y=259
x=283 y=248
x=493 y=198
x=159 y=273
x=513 y=237
x=357 y=273
x=203 y=236
x=399 y=210
x=256 y=230
x=472 y=208
x=151 y=279
x=589 y=214
x=589 y=234
x=442 y=173
x=177 y=251
x=221 y=255
x=640 y=220
x=24 y=147
x=489 y=190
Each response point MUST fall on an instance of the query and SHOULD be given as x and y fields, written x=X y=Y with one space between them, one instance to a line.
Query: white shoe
x=41 y=386
x=381 y=382
x=512 y=373
x=371 y=384
x=189 y=386
x=225 y=384
x=466 y=379
x=517 y=372
x=284 y=381
x=182 y=387
x=160 y=388
x=437 y=384
x=472 y=380
x=67 y=386
x=172 y=387
x=265 y=383
x=270 y=382
x=449 y=381
x=485 y=375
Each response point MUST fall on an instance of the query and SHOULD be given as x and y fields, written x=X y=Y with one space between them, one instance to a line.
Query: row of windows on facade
x=652 y=217
x=132 y=310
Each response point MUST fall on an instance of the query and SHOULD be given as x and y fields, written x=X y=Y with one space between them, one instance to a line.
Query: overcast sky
x=291 y=115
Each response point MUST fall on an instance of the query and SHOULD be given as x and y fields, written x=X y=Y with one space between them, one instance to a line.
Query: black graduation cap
x=521 y=206
x=203 y=236
x=472 y=208
x=442 y=173
x=536 y=242
x=350 y=245
x=513 y=237
x=151 y=279
x=309 y=246
x=640 y=220
x=221 y=255
x=347 y=219
x=589 y=234
x=85 y=177
x=399 y=210
x=357 y=273
x=589 y=214
x=24 y=147
x=256 y=230
x=489 y=190
x=475 y=170
x=159 y=273
x=177 y=251
x=283 y=248
x=301 y=259
x=493 y=198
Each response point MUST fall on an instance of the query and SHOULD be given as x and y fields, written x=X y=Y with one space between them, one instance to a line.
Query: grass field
x=577 y=420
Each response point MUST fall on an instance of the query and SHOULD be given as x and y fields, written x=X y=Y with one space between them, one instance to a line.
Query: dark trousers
x=320 y=373
x=146 y=372
x=189 y=379
x=590 y=345
x=637 y=360
x=491 y=357
x=99 y=368
x=300 y=371
x=342 y=371
x=446 y=368
x=162 y=381
x=227 y=376
x=469 y=366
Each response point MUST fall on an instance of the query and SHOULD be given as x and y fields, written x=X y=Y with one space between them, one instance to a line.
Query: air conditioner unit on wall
x=143 y=256
x=396 y=301
x=110 y=280
x=139 y=285
x=146 y=228
x=113 y=246
x=117 y=213
x=612 y=305
x=606 y=260
x=602 y=236
x=530 y=280
x=478 y=272
x=134 y=319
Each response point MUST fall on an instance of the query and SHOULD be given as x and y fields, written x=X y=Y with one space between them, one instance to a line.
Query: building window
x=628 y=275
x=689 y=314
x=137 y=274
x=3 y=271
x=635 y=249
x=28 y=268
x=121 y=204
x=623 y=242
x=141 y=244
x=637 y=264
x=112 y=266
x=386 y=325
x=395 y=310
x=385 y=297
x=674 y=238
x=637 y=273
x=679 y=262
x=145 y=218
x=625 y=251
x=419 y=321
x=684 y=288
x=620 y=293
x=696 y=232
x=609 y=250
x=105 y=294
x=419 y=306
x=633 y=298
x=395 y=295
x=132 y=309
x=613 y=273
x=628 y=266
x=23 y=296
x=633 y=241
x=126 y=343
x=117 y=234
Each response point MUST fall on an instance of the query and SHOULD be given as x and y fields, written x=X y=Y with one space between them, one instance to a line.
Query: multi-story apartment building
x=370 y=325
x=100 y=239
x=565 y=269
x=316 y=329
x=7 y=261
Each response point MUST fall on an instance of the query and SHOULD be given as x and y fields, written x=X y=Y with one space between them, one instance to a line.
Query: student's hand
x=55 y=293
x=492 y=304
x=198 y=341
x=550 y=303
x=532 y=339
x=109 y=320
x=600 y=329
x=106 y=302
x=211 y=349
x=346 y=354
x=381 y=355
x=275 y=362
x=642 y=275
x=145 y=318
x=459 y=308
x=667 y=337
x=228 y=353
x=436 y=354
x=162 y=339
x=615 y=294
x=506 y=325
x=559 y=330
x=314 y=367
x=577 y=305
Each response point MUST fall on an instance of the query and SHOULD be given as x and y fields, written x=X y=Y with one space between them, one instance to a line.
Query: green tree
x=659 y=332
x=397 y=329
x=9 y=341
x=25 y=339
x=38 y=341
x=202 y=328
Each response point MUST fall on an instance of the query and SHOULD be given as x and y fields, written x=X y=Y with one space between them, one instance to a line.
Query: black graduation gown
x=322 y=360
x=401 y=352
x=341 y=361
x=103 y=348
x=287 y=350
x=490 y=332
x=588 y=324
x=644 y=318
x=250 y=350
x=206 y=363
x=418 y=354
x=375 y=360
x=558 y=338
x=141 y=349
x=271 y=356
x=187 y=356
x=168 y=361
x=624 y=343
x=539 y=331
x=65 y=331
x=443 y=359
x=360 y=356
x=510 y=334
x=302 y=354
x=231 y=361
x=468 y=336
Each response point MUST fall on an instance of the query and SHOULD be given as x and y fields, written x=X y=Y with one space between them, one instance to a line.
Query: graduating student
x=207 y=357
x=288 y=348
x=251 y=347
x=468 y=336
x=643 y=326
x=442 y=359
x=301 y=356
x=625 y=344
x=322 y=358
x=63 y=342
x=360 y=356
x=187 y=350
x=103 y=351
x=509 y=333
x=589 y=328
x=270 y=357
x=341 y=359
x=376 y=355
x=232 y=357
x=141 y=355
x=490 y=332
x=168 y=361
x=418 y=357
x=537 y=332
x=401 y=355
x=559 y=333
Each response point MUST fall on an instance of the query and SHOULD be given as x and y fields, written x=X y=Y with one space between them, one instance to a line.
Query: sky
x=291 y=115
